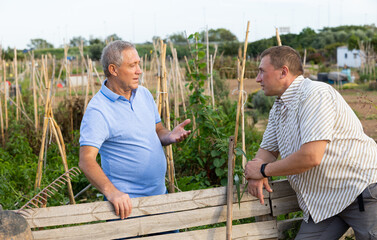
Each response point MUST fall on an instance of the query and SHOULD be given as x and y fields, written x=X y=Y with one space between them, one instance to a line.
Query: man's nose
x=258 y=79
x=139 y=70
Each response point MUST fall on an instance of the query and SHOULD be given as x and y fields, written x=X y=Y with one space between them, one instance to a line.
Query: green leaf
x=239 y=152
x=219 y=172
x=191 y=36
x=218 y=162
x=215 y=153
x=201 y=54
x=202 y=65
x=203 y=77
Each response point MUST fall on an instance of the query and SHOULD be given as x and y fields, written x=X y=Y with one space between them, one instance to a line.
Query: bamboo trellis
x=49 y=123
x=166 y=117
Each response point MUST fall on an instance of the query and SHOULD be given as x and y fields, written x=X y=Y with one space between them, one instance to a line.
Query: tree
x=178 y=37
x=219 y=35
x=93 y=41
x=112 y=37
x=39 y=43
x=353 y=42
x=76 y=41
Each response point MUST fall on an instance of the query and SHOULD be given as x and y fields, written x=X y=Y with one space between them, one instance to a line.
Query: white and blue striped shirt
x=312 y=111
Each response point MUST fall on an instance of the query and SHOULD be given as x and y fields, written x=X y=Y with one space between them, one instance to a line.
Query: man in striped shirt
x=329 y=161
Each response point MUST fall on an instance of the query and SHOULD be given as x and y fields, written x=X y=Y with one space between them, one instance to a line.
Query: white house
x=351 y=58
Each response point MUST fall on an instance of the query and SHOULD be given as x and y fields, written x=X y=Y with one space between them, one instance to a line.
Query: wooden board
x=154 y=223
x=97 y=211
x=284 y=205
x=281 y=188
x=249 y=231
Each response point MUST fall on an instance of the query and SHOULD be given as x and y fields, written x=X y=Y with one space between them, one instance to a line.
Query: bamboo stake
x=179 y=79
x=208 y=62
x=304 y=61
x=278 y=37
x=230 y=170
x=16 y=80
x=5 y=95
x=159 y=81
x=174 y=71
x=86 y=95
x=169 y=150
x=59 y=140
x=145 y=70
x=229 y=189
x=2 y=122
x=99 y=79
x=34 y=94
x=241 y=85
x=90 y=76
x=211 y=86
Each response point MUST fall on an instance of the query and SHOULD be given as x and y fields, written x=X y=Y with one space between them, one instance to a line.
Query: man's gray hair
x=112 y=54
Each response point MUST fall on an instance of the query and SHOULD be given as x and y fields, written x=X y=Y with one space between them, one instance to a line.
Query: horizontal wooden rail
x=163 y=213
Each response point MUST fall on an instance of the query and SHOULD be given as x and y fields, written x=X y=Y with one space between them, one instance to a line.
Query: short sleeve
x=270 y=141
x=94 y=129
x=317 y=116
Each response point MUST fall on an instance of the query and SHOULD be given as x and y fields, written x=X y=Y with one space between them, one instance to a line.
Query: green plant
x=203 y=157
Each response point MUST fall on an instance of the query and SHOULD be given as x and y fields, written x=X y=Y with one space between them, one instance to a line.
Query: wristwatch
x=262 y=169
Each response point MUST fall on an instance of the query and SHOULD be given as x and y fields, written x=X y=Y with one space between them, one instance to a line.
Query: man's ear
x=113 y=70
x=284 y=71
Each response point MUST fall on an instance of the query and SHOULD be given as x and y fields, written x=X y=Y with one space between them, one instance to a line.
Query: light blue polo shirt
x=124 y=131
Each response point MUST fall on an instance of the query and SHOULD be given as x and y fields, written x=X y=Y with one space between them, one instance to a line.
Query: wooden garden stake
x=211 y=86
x=229 y=189
x=241 y=85
x=208 y=62
x=278 y=37
x=304 y=61
x=16 y=80
x=5 y=95
x=34 y=94
x=165 y=101
x=2 y=123
x=233 y=157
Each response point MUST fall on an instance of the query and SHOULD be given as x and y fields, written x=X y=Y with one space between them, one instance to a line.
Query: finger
x=116 y=207
x=121 y=210
x=260 y=195
x=267 y=186
x=184 y=123
x=129 y=207
x=126 y=209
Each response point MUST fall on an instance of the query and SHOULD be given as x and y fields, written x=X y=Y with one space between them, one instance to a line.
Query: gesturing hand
x=179 y=133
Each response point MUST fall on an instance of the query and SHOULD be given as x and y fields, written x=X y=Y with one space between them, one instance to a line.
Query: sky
x=138 y=21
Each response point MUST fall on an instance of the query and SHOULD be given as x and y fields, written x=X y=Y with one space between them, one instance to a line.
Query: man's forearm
x=307 y=157
x=163 y=136
x=266 y=156
x=97 y=177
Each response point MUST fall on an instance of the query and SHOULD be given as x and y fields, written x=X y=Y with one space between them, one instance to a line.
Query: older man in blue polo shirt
x=122 y=123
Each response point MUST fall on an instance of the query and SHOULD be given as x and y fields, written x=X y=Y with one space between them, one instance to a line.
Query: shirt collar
x=112 y=95
x=291 y=91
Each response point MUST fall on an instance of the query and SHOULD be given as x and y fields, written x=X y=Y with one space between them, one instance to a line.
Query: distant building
x=351 y=58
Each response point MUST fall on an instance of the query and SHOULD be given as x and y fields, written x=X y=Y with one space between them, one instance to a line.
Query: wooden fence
x=156 y=214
